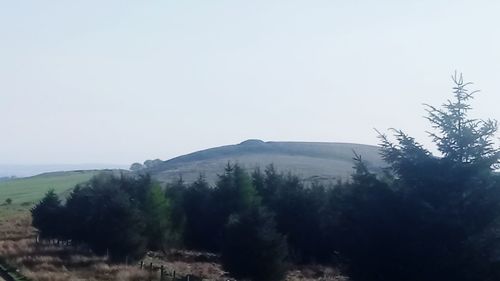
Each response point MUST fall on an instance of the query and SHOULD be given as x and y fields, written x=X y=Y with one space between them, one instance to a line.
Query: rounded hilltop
x=252 y=142
x=311 y=161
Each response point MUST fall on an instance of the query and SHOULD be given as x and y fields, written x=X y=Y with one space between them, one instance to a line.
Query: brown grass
x=51 y=262
x=315 y=273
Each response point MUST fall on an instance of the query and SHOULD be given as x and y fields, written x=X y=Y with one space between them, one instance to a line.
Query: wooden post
x=161 y=272
x=174 y=276
x=142 y=264
x=151 y=267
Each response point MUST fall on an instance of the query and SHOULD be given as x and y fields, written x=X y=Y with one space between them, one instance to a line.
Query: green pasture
x=26 y=191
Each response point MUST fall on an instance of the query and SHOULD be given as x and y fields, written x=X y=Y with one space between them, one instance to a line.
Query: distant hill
x=31 y=189
x=310 y=160
x=8 y=170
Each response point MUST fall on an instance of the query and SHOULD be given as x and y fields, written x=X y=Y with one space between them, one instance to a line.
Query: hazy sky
x=124 y=81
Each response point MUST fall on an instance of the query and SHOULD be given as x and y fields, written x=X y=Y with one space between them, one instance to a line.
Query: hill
x=13 y=170
x=310 y=160
x=31 y=189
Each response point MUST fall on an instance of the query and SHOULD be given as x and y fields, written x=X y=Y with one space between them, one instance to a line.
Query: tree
x=253 y=248
x=107 y=214
x=365 y=223
x=47 y=216
x=157 y=211
x=234 y=193
x=197 y=207
x=136 y=167
x=436 y=217
x=297 y=210
x=175 y=192
x=150 y=164
x=461 y=139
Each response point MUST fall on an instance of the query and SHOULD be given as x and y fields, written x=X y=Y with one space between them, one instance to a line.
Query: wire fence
x=165 y=274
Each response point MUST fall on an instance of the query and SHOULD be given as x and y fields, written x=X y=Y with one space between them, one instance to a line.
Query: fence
x=167 y=275
x=9 y=273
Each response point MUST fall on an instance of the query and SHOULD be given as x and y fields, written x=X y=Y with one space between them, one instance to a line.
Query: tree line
x=426 y=217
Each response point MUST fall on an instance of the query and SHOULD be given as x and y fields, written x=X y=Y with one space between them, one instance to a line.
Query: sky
x=125 y=81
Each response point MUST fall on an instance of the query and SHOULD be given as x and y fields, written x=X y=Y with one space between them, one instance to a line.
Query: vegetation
x=32 y=189
x=253 y=248
x=428 y=217
x=432 y=218
x=44 y=261
x=47 y=216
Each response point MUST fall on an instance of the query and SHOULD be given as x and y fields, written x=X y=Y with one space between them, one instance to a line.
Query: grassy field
x=25 y=191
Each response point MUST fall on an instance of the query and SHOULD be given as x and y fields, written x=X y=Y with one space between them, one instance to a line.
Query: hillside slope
x=309 y=160
x=32 y=189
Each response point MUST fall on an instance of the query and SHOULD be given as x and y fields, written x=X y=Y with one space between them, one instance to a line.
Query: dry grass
x=315 y=273
x=200 y=264
x=16 y=227
x=50 y=262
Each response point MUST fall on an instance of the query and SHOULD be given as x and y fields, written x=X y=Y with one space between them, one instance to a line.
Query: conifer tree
x=47 y=216
x=445 y=208
x=253 y=248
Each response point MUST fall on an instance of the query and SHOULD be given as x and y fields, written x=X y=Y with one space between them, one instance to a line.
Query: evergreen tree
x=436 y=218
x=198 y=206
x=234 y=193
x=47 y=216
x=175 y=192
x=364 y=223
x=297 y=210
x=252 y=248
x=157 y=212
x=105 y=216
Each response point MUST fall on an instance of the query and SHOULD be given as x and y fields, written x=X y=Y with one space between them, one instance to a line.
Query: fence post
x=142 y=264
x=150 y=271
x=161 y=272
x=174 y=276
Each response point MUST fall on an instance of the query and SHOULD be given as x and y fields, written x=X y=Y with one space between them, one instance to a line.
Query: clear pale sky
x=124 y=81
